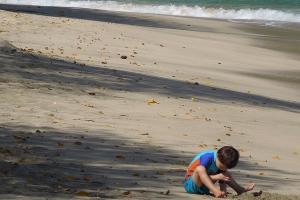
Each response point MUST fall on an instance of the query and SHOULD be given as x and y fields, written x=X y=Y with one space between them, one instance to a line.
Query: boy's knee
x=227 y=173
x=200 y=169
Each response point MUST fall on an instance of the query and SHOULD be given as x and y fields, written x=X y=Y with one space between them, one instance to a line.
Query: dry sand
x=115 y=105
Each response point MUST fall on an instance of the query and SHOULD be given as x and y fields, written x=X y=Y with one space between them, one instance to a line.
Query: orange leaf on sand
x=196 y=117
x=127 y=193
x=87 y=177
x=194 y=99
x=62 y=188
x=151 y=101
x=136 y=174
x=261 y=174
x=19 y=137
x=78 y=143
x=276 y=157
x=82 y=193
x=120 y=157
x=120 y=79
x=69 y=178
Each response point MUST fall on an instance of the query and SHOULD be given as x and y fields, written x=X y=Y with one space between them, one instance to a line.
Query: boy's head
x=228 y=156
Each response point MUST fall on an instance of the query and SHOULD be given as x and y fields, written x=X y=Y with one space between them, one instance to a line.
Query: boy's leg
x=201 y=177
x=239 y=189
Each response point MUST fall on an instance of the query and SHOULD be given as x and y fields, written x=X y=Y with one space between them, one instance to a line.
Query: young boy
x=209 y=167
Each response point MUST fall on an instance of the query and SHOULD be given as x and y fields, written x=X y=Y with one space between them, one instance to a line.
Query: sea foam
x=179 y=10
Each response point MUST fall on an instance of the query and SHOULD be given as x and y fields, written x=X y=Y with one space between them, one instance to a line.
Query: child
x=209 y=167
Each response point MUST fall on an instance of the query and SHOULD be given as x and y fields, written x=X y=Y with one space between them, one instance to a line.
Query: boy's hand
x=224 y=176
x=220 y=194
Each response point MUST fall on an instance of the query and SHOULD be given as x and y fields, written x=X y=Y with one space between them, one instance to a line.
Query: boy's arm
x=222 y=177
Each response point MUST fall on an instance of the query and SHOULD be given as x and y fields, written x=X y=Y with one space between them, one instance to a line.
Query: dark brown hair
x=228 y=156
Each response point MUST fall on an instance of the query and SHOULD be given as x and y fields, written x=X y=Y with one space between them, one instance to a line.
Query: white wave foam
x=196 y=11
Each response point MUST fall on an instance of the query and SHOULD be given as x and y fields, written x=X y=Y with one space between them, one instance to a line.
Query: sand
x=115 y=105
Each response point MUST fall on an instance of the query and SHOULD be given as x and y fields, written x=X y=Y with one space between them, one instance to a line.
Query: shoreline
x=198 y=10
x=276 y=38
x=117 y=104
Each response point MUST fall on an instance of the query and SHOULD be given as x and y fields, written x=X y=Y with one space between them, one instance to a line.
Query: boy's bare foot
x=247 y=188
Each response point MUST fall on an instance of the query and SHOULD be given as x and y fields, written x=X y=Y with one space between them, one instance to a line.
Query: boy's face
x=220 y=165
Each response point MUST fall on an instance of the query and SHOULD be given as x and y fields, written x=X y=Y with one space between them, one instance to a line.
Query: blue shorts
x=191 y=187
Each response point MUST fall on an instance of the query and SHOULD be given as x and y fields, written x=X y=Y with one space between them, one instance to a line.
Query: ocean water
x=266 y=11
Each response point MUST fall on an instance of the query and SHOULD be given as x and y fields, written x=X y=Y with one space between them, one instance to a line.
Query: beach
x=116 y=105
